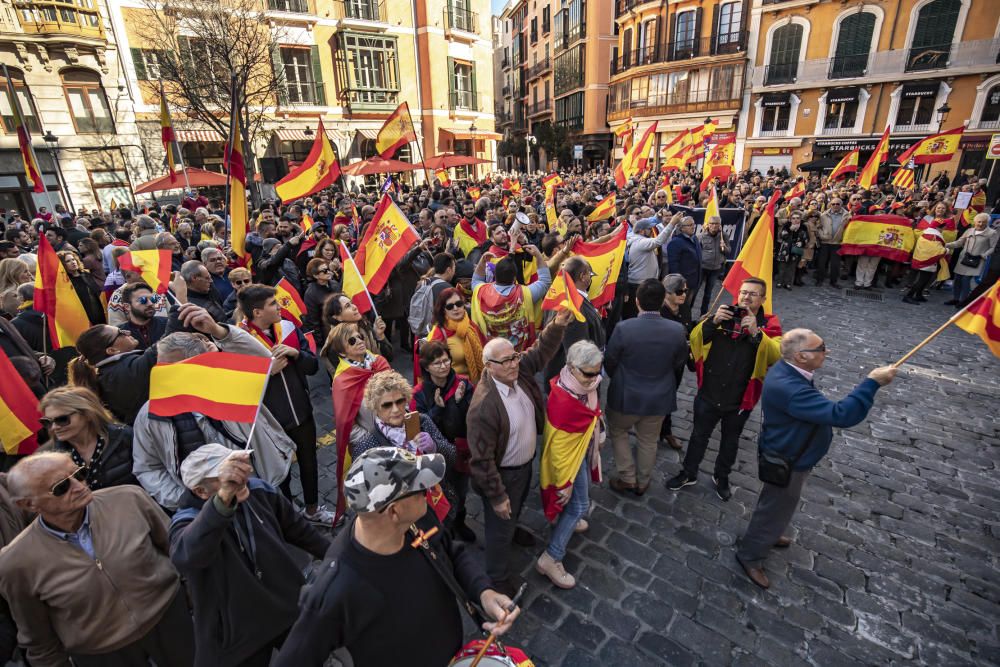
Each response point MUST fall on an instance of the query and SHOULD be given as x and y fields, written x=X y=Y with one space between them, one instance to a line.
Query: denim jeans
x=961 y=286
x=574 y=510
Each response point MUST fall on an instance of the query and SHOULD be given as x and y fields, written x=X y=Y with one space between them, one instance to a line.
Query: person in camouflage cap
x=383 y=475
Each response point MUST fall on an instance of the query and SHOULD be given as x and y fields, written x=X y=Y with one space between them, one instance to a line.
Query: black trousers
x=500 y=532
x=827 y=255
x=708 y=278
x=304 y=437
x=706 y=416
x=630 y=309
x=924 y=278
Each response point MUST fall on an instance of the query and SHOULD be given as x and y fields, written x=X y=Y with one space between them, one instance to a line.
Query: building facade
x=828 y=77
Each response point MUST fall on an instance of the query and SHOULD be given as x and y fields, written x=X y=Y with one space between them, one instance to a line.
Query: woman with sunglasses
x=322 y=283
x=338 y=308
x=82 y=428
x=454 y=327
x=83 y=285
x=110 y=366
x=675 y=297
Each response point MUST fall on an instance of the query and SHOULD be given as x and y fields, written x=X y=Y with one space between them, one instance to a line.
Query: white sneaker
x=555 y=571
x=322 y=516
x=581 y=526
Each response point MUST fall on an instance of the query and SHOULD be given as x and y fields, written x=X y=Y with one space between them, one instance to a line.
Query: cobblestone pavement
x=895 y=558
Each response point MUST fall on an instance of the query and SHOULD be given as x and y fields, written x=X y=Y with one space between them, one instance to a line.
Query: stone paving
x=895 y=558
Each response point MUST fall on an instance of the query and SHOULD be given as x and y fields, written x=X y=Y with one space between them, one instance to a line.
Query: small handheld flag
x=563 y=294
x=152 y=265
x=221 y=385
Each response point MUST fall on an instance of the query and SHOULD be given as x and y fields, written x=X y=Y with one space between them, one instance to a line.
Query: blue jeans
x=574 y=510
x=961 y=286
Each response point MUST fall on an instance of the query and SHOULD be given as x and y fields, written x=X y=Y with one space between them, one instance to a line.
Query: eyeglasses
x=152 y=299
x=61 y=420
x=821 y=348
x=442 y=362
x=588 y=374
x=503 y=362
x=455 y=305
x=353 y=340
x=325 y=269
x=62 y=486
x=242 y=282
x=398 y=403
x=744 y=292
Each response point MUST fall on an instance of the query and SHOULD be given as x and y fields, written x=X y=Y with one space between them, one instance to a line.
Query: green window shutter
x=317 y=75
x=475 y=90
x=140 y=64
x=279 y=74
x=451 y=83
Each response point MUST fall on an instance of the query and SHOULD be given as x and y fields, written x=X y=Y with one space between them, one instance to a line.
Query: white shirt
x=523 y=432
x=806 y=374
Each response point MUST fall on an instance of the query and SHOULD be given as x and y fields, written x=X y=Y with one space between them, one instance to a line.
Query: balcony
x=546 y=27
x=697 y=101
x=505 y=91
x=460 y=19
x=375 y=98
x=625 y=6
x=538 y=108
x=46 y=18
x=987 y=125
x=681 y=50
x=972 y=57
x=290 y=6
x=505 y=63
x=373 y=11
x=838 y=131
x=538 y=69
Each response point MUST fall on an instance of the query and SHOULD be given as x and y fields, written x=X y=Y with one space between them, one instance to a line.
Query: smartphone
x=412 y=423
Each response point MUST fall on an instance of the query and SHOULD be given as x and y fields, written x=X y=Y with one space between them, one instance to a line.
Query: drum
x=496 y=655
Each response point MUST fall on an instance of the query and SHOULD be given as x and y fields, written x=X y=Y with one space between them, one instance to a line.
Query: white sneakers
x=322 y=516
x=555 y=571
x=581 y=526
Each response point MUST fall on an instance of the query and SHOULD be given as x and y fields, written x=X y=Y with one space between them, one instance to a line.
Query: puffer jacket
x=115 y=465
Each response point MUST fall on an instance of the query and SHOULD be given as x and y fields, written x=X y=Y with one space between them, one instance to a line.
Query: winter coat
x=114 y=467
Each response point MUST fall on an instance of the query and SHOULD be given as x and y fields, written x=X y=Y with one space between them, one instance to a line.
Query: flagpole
x=420 y=150
x=936 y=333
x=175 y=143
x=228 y=156
x=259 y=403
x=336 y=152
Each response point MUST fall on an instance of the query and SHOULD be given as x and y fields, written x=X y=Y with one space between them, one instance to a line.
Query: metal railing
x=781 y=73
x=625 y=6
x=544 y=106
x=988 y=124
x=361 y=10
x=685 y=49
x=538 y=68
x=505 y=63
x=372 y=96
x=846 y=67
x=837 y=131
x=460 y=18
x=294 y=6
x=505 y=91
x=695 y=102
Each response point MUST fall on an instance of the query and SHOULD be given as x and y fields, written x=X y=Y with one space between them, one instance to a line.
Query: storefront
x=763 y=159
x=16 y=194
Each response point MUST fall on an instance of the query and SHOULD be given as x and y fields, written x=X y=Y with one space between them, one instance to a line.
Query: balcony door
x=786 y=45
x=933 y=35
x=854 y=41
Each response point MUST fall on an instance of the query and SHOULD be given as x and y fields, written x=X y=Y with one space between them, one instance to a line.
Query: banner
x=733 y=225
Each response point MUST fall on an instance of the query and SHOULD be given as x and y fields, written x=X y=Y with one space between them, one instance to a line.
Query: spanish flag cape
x=768 y=353
x=469 y=239
x=348 y=388
x=529 y=269
x=947 y=226
x=513 y=317
x=442 y=334
x=569 y=428
x=929 y=251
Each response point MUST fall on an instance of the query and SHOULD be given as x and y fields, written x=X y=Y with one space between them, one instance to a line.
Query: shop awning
x=295 y=135
x=198 y=136
x=481 y=135
x=776 y=100
x=921 y=89
x=368 y=134
x=842 y=95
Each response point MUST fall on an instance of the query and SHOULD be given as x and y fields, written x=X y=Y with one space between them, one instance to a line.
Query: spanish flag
x=396 y=132
x=869 y=175
x=756 y=258
x=605 y=261
x=153 y=265
x=929 y=250
x=56 y=298
x=604 y=209
x=473 y=192
x=938 y=147
x=221 y=385
x=555 y=225
x=291 y=304
x=348 y=389
x=512 y=184
x=982 y=318
x=319 y=170
x=847 y=165
x=675 y=153
x=19 y=416
x=627 y=133
x=469 y=238
x=635 y=159
x=796 y=190
x=888 y=236
x=569 y=428
x=719 y=163
x=354 y=285
x=552 y=181
x=307 y=223
x=167 y=130
x=442 y=177
x=387 y=239
x=564 y=294
x=712 y=206
x=238 y=215
x=768 y=353
x=31 y=169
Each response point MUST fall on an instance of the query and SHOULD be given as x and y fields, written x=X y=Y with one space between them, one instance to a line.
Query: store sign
x=993 y=153
x=770 y=151
x=848 y=144
x=974 y=142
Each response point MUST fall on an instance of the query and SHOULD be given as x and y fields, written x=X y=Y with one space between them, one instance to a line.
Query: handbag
x=798 y=251
x=774 y=468
x=970 y=260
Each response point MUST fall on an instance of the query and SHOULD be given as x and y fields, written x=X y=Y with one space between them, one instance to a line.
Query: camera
x=734 y=326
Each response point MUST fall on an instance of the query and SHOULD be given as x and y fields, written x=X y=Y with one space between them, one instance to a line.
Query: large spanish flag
x=847 y=165
x=319 y=170
x=869 y=175
x=32 y=171
x=291 y=304
x=569 y=428
x=756 y=258
x=889 y=236
x=675 y=153
x=238 y=214
x=982 y=318
x=469 y=238
x=56 y=298
x=938 y=147
x=605 y=261
x=19 y=416
x=396 y=132
x=719 y=163
x=636 y=158
x=167 y=130
x=348 y=389
x=564 y=294
x=354 y=285
x=221 y=385
x=153 y=265
x=604 y=209
x=387 y=239
x=768 y=353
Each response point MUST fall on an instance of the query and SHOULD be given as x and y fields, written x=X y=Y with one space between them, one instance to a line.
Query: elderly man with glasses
x=829 y=234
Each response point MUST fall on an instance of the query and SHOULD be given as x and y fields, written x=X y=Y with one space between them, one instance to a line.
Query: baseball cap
x=645 y=223
x=383 y=475
x=203 y=463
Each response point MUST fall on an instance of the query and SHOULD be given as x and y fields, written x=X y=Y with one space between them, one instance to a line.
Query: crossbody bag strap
x=441 y=564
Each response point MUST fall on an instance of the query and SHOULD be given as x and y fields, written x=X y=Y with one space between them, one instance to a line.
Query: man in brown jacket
x=90 y=578
x=504 y=420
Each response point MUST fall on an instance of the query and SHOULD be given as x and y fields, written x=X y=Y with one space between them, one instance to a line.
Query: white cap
x=203 y=463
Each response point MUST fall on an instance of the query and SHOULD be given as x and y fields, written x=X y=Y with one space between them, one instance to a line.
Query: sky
x=497 y=6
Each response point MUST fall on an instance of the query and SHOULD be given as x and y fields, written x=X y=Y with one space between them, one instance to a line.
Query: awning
x=921 y=89
x=842 y=95
x=295 y=135
x=368 y=134
x=820 y=164
x=198 y=135
x=776 y=100
x=481 y=135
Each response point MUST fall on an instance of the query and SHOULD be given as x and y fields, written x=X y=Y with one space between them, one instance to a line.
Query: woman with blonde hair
x=82 y=428
x=14 y=272
x=83 y=284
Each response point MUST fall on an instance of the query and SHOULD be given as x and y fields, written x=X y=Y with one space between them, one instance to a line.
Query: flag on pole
x=388 y=186
x=604 y=209
x=675 y=152
x=56 y=298
x=32 y=171
x=756 y=258
x=552 y=181
x=719 y=163
x=564 y=294
x=319 y=170
x=635 y=160
x=712 y=205
x=307 y=222
x=221 y=385
x=388 y=237
x=167 y=130
x=626 y=131
x=152 y=265
x=982 y=318
x=551 y=217
x=796 y=190
x=512 y=184
x=605 y=261
x=396 y=132
x=473 y=192
x=442 y=176
x=903 y=177
x=19 y=416
x=291 y=304
x=235 y=167
x=938 y=147
x=847 y=165
x=869 y=175
x=354 y=285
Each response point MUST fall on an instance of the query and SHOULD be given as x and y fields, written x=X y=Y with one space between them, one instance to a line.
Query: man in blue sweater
x=797 y=422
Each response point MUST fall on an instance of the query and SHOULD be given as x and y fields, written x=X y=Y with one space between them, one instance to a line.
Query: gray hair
x=145 y=222
x=163 y=238
x=674 y=283
x=190 y=269
x=208 y=252
x=685 y=220
x=30 y=259
x=584 y=354
x=21 y=478
x=714 y=218
x=793 y=341
x=26 y=291
x=182 y=345
x=492 y=345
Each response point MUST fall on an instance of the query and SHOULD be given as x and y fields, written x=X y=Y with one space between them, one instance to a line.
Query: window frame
x=31 y=117
x=307 y=85
x=86 y=89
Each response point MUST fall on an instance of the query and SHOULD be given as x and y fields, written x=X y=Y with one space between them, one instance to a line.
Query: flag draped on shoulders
x=468 y=237
x=888 y=236
x=564 y=294
x=152 y=265
x=319 y=170
x=982 y=318
x=387 y=239
x=56 y=298
x=756 y=258
x=605 y=261
x=768 y=354
x=569 y=428
x=19 y=416
x=221 y=385
x=929 y=250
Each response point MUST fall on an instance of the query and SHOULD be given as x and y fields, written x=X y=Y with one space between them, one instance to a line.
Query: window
x=462 y=83
x=991 y=108
x=720 y=83
x=841 y=109
x=640 y=92
x=658 y=90
x=933 y=34
x=299 y=6
x=853 y=43
x=730 y=20
x=678 y=87
x=627 y=48
x=534 y=29
x=147 y=63
x=569 y=111
x=783 y=66
x=775 y=113
x=568 y=70
x=202 y=68
x=87 y=102
x=546 y=19
x=684 y=33
x=460 y=16
x=300 y=69
x=27 y=105
x=916 y=104
x=367 y=69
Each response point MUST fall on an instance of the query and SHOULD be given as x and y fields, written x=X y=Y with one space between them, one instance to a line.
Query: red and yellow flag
x=468 y=237
x=719 y=163
x=604 y=209
x=605 y=261
x=635 y=159
x=473 y=192
x=903 y=178
x=938 y=147
x=32 y=171
x=982 y=318
x=387 y=238
x=551 y=217
x=167 y=130
x=569 y=428
x=512 y=184
x=221 y=385
x=307 y=222
x=847 y=165
x=443 y=178
x=756 y=258
x=319 y=170
x=712 y=205
x=19 y=416
x=796 y=190
x=56 y=298
x=238 y=214
x=888 y=236
x=396 y=132
x=564 y=294
x=291 y=304
x=675 y=153
x=152 y=265
x=627 y=133
x=552 y=181
x=354 y=285
x=869 y=175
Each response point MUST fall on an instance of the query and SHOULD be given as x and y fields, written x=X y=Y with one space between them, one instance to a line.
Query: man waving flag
x=388 y=237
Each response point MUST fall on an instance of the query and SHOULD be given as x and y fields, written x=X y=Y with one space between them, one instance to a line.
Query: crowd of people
x=223 y=541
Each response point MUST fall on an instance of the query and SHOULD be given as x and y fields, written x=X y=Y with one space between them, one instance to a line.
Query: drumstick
x=492 y=638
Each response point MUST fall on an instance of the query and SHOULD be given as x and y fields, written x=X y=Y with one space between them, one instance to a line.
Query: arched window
x=786 y=44
x=854 y=41
x=933 y=34
x=24 y=98
x=87 y=103
x=991 y=109
x=730 y=22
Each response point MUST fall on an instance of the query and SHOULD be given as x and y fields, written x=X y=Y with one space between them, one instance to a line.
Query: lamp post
x=942 y=113
x=529 y=140
x=472 y=151
x=52 y=143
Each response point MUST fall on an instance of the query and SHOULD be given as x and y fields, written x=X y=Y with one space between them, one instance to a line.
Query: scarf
x=574 y=386
x=470 y=343
x=260 y=335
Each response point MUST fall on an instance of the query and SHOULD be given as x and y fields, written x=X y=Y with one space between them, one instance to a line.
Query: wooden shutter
x=697 y=31
x=317 y=72
x=279 y=74
x=713 y=43
x=672 y=37
x=475 y=90
x=452 y=87
x=140 y=64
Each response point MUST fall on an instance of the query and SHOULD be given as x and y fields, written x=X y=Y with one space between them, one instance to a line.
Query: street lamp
x=943 y=112
x=528 y=141
x=52 y=143
x=472 y=152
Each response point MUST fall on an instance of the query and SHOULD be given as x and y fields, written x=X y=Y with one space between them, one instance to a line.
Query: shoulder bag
x=774 y=468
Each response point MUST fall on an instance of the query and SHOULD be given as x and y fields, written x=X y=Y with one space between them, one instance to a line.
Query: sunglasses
x=241 y=282
x=62 y=486
x=587 y=374
x=398 y=403
x=325 y=269
x=821 y=348
x=353 y=340
x=61 y=420
x=455 y=305
x=153 y=299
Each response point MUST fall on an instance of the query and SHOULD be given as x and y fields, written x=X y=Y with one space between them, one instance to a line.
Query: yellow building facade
x=828 y=77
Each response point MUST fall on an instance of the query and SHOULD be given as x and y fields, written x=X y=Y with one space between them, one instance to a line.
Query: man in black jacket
x=592 y=328
x=200 y=290
x=140 y=306
x=382 y=592
x=230 y=541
